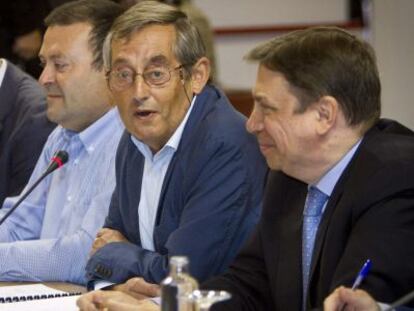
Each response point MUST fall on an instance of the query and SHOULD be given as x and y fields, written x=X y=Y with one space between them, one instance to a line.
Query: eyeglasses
x=122 y=79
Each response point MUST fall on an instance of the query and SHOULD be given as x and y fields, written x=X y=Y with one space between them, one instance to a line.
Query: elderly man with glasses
x=189 y=178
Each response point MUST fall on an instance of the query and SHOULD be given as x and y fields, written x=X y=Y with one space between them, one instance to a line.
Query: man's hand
x=105 y=236
x=112 y=300
x=347 y=299
x=139 y=288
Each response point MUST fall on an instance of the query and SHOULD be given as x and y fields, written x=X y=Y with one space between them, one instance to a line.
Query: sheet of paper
x=27 y=290
x=52 y=304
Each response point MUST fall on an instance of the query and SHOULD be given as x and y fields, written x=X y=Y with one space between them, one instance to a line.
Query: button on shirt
x=49 y=236
x=155 y=168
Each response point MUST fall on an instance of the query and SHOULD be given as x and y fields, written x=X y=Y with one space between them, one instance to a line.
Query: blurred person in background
x=24 y=127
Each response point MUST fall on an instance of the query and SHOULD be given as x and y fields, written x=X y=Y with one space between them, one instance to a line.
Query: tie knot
x=314 y=202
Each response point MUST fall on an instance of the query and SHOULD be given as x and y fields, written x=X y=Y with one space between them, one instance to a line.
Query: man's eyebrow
x=120 y=61
x=52 y=57
x=258 y=97
x=158 y=60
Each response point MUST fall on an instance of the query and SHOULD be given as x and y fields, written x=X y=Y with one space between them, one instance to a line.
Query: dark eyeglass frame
x=111 y=74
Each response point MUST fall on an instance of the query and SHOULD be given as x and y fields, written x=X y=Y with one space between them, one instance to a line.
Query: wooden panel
x=242 y=100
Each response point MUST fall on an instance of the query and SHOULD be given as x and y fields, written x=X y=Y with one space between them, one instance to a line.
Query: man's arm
x=60 y=259
x=381 y=234
x=25 y=223
x=246 y=280
x=216 y=212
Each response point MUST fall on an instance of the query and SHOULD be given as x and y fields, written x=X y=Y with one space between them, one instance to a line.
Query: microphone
x=58 y=160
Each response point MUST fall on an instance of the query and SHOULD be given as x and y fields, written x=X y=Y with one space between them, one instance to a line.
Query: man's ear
x=326 y=110
x=200 y=74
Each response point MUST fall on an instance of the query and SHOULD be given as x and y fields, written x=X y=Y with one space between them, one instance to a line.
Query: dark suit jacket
x=24 y=129
x=210 y=199
x=370 y=214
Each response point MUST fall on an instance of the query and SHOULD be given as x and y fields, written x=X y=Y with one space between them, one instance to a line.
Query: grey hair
x=188 y=48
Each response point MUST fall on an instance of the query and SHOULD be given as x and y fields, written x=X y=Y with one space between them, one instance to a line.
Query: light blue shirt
x=49 y=236
x=155 y=168
x=328 y=182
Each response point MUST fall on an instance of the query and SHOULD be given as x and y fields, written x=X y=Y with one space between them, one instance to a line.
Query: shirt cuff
x=156 y=300
x=383 y=306
x=101 y=284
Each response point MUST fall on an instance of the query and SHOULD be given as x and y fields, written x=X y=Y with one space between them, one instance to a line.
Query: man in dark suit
x=24 y=128
x=189 y=176
x=342 y=190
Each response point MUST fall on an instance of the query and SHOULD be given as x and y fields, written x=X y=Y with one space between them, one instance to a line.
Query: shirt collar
x=172 y=143
x=97 y=131
x=327 y=183
x=3 y=67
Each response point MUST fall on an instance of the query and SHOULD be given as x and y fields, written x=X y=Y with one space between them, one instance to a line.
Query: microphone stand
x=59 y=159
x=24 y=196
x=402 y=301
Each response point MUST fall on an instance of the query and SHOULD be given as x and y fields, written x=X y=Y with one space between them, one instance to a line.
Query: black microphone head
x=62 y=155
x=59 y=159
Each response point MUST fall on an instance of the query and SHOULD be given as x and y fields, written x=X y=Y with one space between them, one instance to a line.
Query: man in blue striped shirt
x=49 y=236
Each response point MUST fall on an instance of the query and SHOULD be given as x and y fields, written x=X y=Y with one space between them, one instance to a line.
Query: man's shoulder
x=382 y=166
x=24 y=84
x=21 y=92
x=389 y=143
x=215 y=119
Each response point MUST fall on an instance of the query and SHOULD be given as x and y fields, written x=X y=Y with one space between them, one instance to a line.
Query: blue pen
x=360 y=277
x=362 y=274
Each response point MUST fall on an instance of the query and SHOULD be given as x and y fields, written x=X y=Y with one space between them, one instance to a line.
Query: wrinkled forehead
x=153 y=44
x=67 y=39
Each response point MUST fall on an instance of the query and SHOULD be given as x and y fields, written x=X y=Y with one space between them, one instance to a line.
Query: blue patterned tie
x=311 y=217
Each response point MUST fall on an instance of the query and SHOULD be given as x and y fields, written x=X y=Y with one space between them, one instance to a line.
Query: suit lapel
x=284 y=228
x=133 y=182
x=201 y=107
x=350 y=180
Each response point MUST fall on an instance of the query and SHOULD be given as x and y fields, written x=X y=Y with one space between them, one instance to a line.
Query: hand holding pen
x=362 y=274
x=360 y=277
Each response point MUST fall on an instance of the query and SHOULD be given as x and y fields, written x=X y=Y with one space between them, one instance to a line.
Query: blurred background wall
x=389 y=26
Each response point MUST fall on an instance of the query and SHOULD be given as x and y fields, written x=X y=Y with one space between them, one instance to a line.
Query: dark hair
x=99 y=13
x=323 y=61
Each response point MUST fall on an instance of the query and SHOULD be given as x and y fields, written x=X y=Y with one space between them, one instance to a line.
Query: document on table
x=36 y=297
x=51 y=304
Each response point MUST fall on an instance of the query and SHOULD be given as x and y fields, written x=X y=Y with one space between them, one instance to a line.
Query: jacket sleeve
x=219 y=208
x=246 y=280
x=381 y=234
